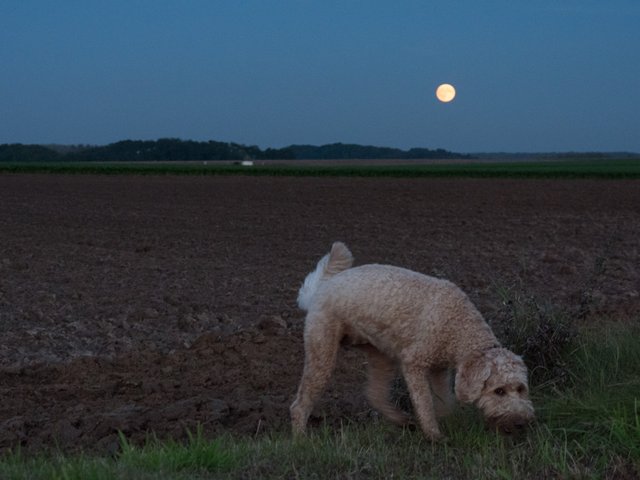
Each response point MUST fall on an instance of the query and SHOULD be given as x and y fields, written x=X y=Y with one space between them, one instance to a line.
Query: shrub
x=542 y=333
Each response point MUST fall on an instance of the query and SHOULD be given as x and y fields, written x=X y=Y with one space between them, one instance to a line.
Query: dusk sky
x=530 y=76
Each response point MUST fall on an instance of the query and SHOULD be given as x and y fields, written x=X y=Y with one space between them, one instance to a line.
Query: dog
x=426 y=326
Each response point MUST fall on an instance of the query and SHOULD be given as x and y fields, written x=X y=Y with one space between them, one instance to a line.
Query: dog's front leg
x=420 y=393
x=443 y=399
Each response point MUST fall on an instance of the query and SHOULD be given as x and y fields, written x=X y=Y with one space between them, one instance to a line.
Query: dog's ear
x=471 y=377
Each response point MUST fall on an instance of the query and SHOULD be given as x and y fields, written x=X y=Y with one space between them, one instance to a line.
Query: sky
x=549 y=75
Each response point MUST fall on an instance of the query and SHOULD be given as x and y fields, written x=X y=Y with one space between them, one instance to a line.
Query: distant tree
x=17 y=152
x=277 y=154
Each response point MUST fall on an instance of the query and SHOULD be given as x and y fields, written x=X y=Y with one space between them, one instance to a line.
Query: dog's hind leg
x=321 y=343
x=381 y=371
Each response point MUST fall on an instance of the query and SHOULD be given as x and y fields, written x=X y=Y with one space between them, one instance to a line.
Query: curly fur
x=427 y=326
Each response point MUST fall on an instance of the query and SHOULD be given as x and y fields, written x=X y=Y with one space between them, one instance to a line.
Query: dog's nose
x=520 y=425
x=514 y=426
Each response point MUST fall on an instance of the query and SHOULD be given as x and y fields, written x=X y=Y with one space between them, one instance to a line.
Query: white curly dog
x=427 y=326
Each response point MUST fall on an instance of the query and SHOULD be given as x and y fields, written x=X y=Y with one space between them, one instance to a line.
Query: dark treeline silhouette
x=16 y=152
x=367 y=152
x=173 y=149
x=164 y=149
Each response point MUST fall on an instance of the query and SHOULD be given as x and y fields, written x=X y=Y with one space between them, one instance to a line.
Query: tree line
x=173 y=149
x=367 y=152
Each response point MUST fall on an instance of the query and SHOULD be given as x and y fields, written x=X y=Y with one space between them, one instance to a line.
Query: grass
x=198 y=458
x=597 y=168
x=588 y=427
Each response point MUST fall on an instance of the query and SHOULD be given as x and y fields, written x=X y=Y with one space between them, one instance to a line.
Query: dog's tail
x=337 y=260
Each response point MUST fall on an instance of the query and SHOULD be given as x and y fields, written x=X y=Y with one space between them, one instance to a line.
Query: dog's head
x=496 y=381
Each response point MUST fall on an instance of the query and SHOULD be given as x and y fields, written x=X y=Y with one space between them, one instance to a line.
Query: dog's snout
x=510 y=426
x=520 y=425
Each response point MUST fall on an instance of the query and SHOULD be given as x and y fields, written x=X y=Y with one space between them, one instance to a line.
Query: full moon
x=445 y=93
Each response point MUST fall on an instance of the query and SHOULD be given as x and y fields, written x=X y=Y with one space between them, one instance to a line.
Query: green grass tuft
x=198 y=455
x=198 y=458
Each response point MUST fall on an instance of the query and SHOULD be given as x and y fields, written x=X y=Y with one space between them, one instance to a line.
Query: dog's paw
x=435 y=436
x=400 y=418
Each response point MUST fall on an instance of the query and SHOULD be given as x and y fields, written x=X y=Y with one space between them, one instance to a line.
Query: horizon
x=529 y=78
x=53 y=146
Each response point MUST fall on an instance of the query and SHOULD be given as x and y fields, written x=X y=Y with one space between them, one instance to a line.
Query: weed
x=542 y=333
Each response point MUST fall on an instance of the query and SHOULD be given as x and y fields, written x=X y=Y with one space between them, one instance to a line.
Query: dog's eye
x=520 y=389
x=500 y=392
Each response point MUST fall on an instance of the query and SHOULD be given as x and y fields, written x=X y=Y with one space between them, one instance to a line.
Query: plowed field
x=157 y=303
